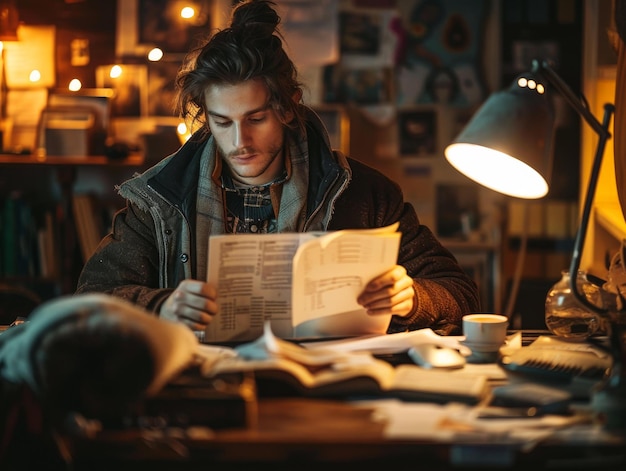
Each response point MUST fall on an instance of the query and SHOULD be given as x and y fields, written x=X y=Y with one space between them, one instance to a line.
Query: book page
x=253 y=274
x=330 y=272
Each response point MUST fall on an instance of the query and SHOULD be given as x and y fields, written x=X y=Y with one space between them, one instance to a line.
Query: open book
x=305 y=284
x=281 y=367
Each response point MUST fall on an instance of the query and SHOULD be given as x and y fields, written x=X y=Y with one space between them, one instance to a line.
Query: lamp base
x=607 y=401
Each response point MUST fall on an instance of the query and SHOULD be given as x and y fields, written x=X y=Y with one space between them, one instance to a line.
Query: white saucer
x=482 y=347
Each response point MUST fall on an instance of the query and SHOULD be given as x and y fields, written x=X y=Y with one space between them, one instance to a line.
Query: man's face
x=248 y=133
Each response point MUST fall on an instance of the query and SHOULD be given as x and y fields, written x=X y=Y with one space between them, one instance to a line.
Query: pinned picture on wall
x=161 y=88
x=359 y=33
x=173 y=29
x=417 y=132
x=457 y=210
x=171 y=25
x=129 y=83
x=357 y=86
x=439 y=54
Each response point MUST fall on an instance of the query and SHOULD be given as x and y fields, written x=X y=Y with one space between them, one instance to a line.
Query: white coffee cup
x=485 y=332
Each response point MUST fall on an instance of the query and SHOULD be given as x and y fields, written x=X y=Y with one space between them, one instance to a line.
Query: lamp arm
x=602 y=129
x=544 y=69
x=586 y=213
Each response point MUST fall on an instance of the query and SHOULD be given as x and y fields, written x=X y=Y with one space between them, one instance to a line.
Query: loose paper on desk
x=305 y=284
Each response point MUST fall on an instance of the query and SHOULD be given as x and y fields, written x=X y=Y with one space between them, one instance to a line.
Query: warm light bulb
x=155 y=55
x=115 y=71
x=75 y=85
x=34 y=76
x=183 y=133
x=187 y=13
x=497 y=170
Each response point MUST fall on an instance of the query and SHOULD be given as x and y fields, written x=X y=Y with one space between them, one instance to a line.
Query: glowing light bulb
x=187 y=13
x=155 y=55
x=115 y=71
x=75 y=85
x=183 y=132
x=34 y=76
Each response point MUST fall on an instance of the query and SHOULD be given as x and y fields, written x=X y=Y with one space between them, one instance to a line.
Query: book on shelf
x=282 y=367
x=88 y=223
x=9 y=237
x=19 y=237
x=306 y=284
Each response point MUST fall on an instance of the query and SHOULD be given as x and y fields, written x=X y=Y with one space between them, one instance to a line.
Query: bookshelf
x=43 y=243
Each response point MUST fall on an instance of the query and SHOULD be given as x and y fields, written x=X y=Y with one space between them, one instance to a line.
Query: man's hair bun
x=257 y=15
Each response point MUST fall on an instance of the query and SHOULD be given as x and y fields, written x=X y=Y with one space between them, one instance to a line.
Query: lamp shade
x=507 y=145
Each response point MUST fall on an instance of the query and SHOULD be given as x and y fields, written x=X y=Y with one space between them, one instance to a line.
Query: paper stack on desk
x=282 y=367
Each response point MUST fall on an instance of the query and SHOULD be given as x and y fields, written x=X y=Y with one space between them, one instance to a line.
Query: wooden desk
x=303 y=434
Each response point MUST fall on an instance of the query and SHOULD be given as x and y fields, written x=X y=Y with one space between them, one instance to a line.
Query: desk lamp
x=507 y=146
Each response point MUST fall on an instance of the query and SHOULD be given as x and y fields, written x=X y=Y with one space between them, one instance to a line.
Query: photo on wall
x=145 y=24
x=162 y=24
x=161 y=88
x=129 y=83
x=368 y=86
x=457 y=210
x=359 y=33
x=417 y=132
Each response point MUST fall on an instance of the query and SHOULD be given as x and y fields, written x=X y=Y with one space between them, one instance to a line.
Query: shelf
x=609 y=230
x=611 y=218
x=134 y=160
x=543 y=244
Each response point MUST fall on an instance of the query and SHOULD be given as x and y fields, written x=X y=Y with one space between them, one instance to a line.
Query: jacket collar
x=177 y=178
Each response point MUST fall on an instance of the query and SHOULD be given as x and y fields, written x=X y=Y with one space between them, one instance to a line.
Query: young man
x=262 y=162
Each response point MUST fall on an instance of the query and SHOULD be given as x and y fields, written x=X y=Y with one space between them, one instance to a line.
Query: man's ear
x=297 y=96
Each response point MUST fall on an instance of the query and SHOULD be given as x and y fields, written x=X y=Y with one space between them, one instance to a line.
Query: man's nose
x=239 y=135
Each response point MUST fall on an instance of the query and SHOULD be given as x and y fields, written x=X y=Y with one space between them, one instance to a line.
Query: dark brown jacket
x=151 y=246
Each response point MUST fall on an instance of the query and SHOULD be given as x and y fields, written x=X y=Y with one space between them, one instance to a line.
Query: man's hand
x=193 y=303
x=389 y=293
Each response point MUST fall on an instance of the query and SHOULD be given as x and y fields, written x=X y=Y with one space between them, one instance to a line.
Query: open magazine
x=305 y=284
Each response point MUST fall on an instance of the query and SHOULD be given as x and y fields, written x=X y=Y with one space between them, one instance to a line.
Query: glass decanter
x=566 y=316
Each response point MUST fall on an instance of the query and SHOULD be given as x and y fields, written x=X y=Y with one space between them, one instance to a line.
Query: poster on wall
x=439 y=52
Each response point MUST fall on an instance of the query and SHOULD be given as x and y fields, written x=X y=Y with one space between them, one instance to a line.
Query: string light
x=155 y=55
x=115 y=72
x=75 y=85
x=35 y=76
